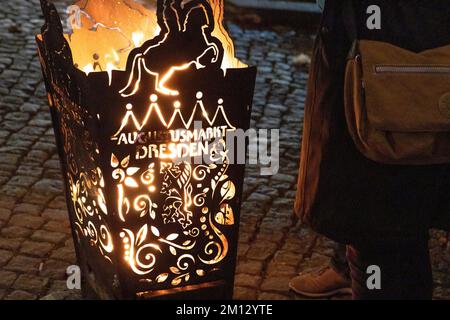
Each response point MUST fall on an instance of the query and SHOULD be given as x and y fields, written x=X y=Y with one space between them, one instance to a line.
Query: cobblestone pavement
x=35 y=241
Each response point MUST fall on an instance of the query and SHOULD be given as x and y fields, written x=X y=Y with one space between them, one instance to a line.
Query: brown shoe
x=324 y=284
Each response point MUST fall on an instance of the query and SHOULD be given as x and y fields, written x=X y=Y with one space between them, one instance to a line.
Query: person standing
x=330 y=280
x=382 y=211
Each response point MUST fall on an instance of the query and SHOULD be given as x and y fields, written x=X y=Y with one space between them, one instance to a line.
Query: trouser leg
x=339 y=261
x=405 y=271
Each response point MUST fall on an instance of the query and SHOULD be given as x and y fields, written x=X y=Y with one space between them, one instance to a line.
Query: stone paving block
x=241 y=293
x=283 y=186
x=20 y=295
x=10 y=244
x=58 y=202
x=28 y=208
x=313 y=263
x=441 y=293
x=303 y=233
x=5 y=213
x=296 y=246
x=37 y=198
x=36 y=156
x=259 y=198
x=50 y=148
x=276 y=269
x=58 y=285
x=59 y=295
x=7 y=278
x=242 y=249
x=26 y=220
x=34 y=132
x=53 y=164
x=62 y=226
x=5 y=256
x=37 y=249
x=244 y=237
x=65 y=254
x=272 y=296
x=49 y=186
x=69 y=243
x=52 y=174
x=54 y=269
x=261 y=250
x=287 y=257
x=30 y=170
x=247 y=280
x=4 y=177
x=7 y=202
x=56 y=214
x=283 y=205
x=274 y=236
x=248 y=229
x=22 y=181
x=4 y=133
x=15 y=232
x=30 y=283
x=20 y=145
x=14 y=191
x=267 y=190
x=290 y=179
x=250 y=267
x=29 y=107
x=280 y=284
x=325 y=247
x=9 y=159
x=23 y=264
x=48 y=236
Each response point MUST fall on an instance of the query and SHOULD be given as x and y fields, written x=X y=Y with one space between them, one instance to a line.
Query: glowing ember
x=105 y=32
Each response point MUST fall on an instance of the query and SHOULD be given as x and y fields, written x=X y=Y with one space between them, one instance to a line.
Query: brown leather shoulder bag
x=397 y=103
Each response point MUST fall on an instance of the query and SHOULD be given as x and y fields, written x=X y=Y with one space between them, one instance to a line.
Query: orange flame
x=105 y=32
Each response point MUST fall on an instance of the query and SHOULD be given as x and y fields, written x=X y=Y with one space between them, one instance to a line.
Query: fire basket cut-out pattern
x=177 y=187
x=194 y=199
x=189 y=27
x=86 y=183
x=153 y=194
x=176 y=120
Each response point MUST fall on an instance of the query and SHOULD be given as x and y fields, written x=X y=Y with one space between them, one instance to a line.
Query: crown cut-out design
x=177 y=119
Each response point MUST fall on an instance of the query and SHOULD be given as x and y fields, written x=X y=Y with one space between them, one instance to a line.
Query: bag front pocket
x=399 y=103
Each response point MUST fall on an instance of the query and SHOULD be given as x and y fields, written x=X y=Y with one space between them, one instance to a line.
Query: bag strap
x=349 y=19
x=351 y=25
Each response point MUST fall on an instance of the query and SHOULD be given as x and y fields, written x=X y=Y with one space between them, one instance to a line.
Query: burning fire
x=104 y=32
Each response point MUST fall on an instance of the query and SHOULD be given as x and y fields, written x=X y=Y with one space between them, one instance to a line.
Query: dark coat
x=342 y=194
